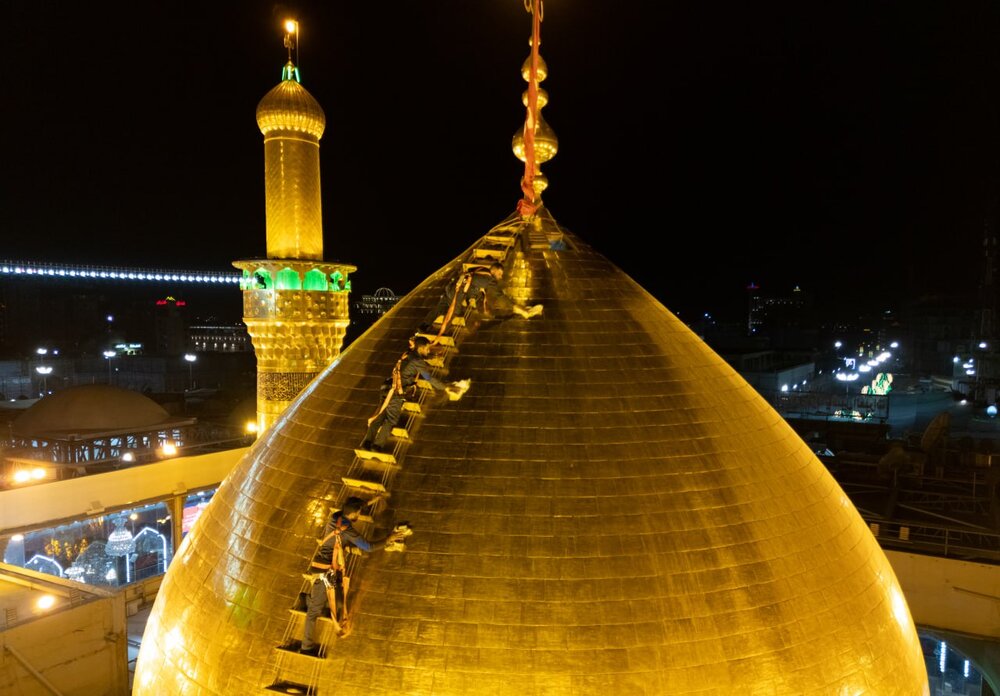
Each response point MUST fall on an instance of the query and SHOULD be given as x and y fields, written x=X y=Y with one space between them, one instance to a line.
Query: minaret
x=295 y=305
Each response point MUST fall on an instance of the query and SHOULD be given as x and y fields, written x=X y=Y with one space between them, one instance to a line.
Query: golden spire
x=292 y=44
x=541 y=144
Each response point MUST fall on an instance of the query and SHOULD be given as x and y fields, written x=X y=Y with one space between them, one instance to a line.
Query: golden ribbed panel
x=295 y=340
x=290 y=107
x=609 y=509
x=292 y=123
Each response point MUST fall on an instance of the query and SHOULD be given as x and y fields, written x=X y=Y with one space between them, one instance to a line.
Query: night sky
x=850 y=148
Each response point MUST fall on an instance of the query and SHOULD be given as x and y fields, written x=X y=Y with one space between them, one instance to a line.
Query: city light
x=45 y=602
x=190 y=357
x=44 y=371
x=28 y=475
x=128 y=457
x=251 y=427
x=169 y=449
x=109 y=354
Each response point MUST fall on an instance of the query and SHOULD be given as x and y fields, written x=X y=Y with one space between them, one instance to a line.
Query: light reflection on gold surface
x=610 y=508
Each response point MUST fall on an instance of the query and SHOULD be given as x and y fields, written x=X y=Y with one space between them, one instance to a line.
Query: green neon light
x=315 y=280
x=288 y=280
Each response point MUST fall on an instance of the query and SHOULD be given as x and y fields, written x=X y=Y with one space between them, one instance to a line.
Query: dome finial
x=290 y=72
x=535 y=142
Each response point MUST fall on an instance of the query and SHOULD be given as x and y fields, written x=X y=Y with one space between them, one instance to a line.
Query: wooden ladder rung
x=387 y=457
x=401 y=433
x=379 y=465
x=501 y=238
x=494 y=254
x=410 y=407
x=325 y=616
x=289 y=651
x=440 y=340
x=436 y=362
x=362 y=485
x=288 y=687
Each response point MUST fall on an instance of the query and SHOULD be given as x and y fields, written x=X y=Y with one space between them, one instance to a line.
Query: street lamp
x=190 y=357
x=44 y=371
x=109 y=354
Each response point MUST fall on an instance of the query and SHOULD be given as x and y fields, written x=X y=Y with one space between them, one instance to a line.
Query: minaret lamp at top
x=295 y=305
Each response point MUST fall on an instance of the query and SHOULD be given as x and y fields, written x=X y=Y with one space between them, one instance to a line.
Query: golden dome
x=91 y=408
x=611 y=508
x=290 y=107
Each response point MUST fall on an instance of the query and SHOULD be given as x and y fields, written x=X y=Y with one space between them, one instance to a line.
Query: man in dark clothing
x=403 y=383
x=481 y=285
x=328 y=569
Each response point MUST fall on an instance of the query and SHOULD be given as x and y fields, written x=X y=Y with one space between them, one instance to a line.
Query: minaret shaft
x=292 y=196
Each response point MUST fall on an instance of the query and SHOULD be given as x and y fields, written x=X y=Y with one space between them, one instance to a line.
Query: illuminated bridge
x=59 y=270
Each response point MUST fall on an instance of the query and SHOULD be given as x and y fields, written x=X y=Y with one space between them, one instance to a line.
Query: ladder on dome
x=295 y=673
x=372 y=472
x=370 y=477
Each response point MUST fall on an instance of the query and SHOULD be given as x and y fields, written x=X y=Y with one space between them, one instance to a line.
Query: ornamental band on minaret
x=295 y=305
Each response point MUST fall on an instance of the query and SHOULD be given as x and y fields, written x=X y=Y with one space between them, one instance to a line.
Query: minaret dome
x=290 y=107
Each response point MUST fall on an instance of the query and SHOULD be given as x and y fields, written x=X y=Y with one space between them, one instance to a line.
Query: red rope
x=527 y=206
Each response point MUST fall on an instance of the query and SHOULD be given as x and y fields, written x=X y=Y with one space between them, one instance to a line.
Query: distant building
x=788 y=320
x=373 y=306
x=220 y=338
x=169 y=321
x=768 y=312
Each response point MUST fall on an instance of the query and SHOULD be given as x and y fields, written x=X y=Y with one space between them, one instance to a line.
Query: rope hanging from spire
x=527 y=206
